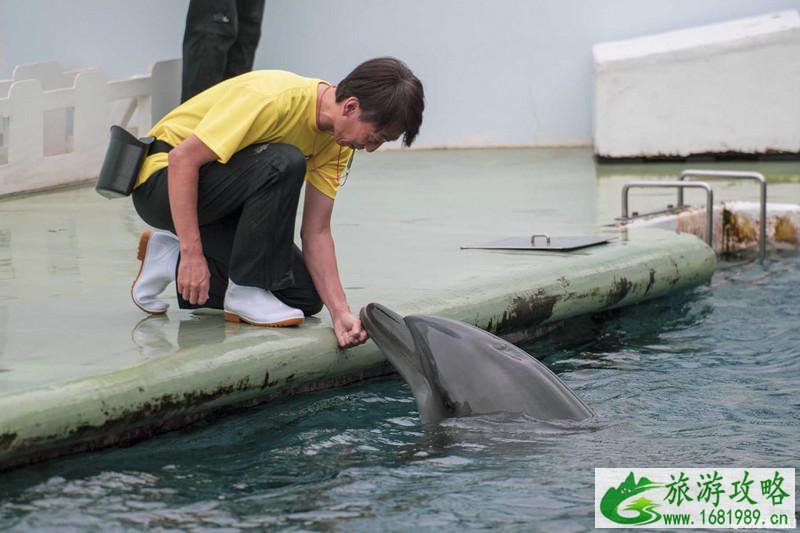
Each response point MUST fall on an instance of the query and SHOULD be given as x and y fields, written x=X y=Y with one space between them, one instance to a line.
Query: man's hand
x=320 y=256
x=348 y=330
x=184 y=162
x=194 y=278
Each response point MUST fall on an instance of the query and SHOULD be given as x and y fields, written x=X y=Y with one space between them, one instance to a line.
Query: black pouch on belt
x=124 y=158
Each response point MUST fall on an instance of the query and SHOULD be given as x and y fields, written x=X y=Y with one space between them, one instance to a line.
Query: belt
x=159 y=147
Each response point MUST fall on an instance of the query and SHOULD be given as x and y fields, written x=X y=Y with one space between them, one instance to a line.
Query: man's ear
x=351 y=104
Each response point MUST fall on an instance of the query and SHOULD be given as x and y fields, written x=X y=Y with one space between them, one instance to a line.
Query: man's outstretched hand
x=348 y=330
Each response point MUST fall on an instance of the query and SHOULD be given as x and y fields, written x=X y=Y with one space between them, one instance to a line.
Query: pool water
x=709 y=377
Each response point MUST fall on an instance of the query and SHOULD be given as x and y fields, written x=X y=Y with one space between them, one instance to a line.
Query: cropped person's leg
x=242 y=53
x=211 y=30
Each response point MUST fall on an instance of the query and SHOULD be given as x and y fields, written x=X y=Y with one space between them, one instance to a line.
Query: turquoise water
x=710 y=377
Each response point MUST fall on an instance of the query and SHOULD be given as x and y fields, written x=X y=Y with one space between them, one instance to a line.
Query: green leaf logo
x=615 y=497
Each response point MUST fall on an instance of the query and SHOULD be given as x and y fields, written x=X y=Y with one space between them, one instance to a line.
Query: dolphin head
x=455 y=369
x=389 y=331
x=476 y=373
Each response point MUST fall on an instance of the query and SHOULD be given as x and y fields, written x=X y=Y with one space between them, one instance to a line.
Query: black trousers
x=246 y=210
x=219 y=42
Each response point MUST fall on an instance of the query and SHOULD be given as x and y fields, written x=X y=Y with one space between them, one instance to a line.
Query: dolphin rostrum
x=455 y=369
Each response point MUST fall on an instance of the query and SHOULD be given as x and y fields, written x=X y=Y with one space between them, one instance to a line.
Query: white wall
x=121 y=37
x=496 y=72
x=727 y=87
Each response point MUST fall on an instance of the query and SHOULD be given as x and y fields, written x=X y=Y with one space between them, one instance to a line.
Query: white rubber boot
x=158 y=252
x=258 y=307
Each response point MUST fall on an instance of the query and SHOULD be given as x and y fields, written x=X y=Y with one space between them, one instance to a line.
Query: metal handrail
x=732 y=174
x=680 y=185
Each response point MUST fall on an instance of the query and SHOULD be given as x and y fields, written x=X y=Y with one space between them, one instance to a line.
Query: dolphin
x=455 y=369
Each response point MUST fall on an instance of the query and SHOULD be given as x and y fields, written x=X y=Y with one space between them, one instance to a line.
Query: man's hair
x=389 y=95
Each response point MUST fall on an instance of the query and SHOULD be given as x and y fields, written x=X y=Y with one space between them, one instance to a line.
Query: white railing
x=54 y=124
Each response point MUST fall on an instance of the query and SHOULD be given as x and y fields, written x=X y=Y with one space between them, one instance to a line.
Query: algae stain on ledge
x=524 y=312
x=651 y=281
x=786 y=230
x=165 y=413
x=531 y=316
x=6 y=440
x=135 y=416
x=739 y=230
x=619 y=290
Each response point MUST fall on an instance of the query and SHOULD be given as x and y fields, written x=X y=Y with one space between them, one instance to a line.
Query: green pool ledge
x=91 y=373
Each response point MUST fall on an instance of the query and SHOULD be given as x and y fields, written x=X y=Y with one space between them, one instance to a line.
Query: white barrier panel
x=723 y=88
x=54 y=124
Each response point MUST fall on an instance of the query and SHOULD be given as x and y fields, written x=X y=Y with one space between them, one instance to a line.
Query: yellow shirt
x=258 y=107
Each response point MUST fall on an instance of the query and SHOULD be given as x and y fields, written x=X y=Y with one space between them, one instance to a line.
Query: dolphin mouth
x=383 y=324
x=374 y=313
x=389 y=331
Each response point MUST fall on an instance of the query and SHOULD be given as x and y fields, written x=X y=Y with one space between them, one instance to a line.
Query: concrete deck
x=81 y=367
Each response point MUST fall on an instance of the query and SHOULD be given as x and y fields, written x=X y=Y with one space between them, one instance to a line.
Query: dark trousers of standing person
x=246 y=210
x=219 y=42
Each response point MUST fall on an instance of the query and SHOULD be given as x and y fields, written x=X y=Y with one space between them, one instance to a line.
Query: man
x=230 y=187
